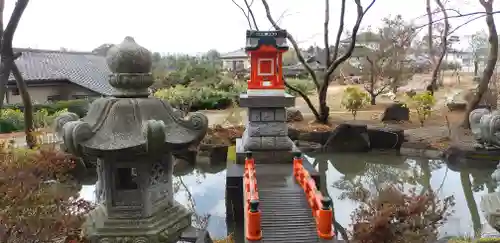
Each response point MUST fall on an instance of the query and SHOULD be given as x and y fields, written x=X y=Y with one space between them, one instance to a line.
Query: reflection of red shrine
x=266 y=49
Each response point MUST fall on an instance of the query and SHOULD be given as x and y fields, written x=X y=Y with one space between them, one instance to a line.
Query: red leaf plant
x=393 y=216
x=38 y=199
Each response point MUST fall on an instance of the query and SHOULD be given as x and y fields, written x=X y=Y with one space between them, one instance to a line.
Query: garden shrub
x=13 y=120
x=42 y=118
x=470 y=240
x=179 y=96
x=39 y=199
x=220 y=94
x=353 y=99
x=306 y=86
x=423 y=102
x=79 y=106
x=194 y=97
x=396 y=216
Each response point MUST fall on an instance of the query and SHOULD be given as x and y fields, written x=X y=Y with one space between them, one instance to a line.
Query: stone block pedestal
x=266 y=133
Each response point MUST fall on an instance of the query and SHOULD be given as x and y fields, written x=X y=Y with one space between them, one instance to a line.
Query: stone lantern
x=133 y=136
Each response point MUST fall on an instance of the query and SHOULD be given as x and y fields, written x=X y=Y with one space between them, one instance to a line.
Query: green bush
x=354 y=99
x=423 y=103
x=211 y=98
x=210 y=94
x=469 y=240
x=306 y=86
x=79 y=106
x=13 y=120
x=179 y=96
x=489 y=240
x=203 y=95
x=42 y=118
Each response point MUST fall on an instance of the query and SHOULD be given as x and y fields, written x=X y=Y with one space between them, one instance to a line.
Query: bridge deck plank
x=286 y=215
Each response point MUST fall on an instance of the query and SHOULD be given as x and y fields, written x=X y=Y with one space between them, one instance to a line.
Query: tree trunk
x=28 y=107
x=444 y=44
x=373 y=98
x=324 y=110
x=490 y=64
x=476 y=67
x=471 y=203
x=6 y=53
x=5 y=70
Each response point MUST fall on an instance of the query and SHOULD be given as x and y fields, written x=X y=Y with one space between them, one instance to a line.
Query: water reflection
x=348 y=176
x=201 y=186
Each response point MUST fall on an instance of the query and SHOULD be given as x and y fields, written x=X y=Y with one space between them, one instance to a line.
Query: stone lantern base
x=164 y=227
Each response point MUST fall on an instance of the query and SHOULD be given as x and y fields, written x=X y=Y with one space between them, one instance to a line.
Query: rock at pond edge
x=348 y=138
x=396 y=112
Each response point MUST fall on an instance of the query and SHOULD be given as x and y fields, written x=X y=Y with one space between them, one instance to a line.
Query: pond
x=202 y=189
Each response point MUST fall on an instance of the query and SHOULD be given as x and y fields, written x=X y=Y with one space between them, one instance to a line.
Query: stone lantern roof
x=130 y=119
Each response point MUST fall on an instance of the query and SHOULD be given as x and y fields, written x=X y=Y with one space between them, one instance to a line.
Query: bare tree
x=478 y=44
x=332 y=60
x=375 y=85
x=490 y=64
x=8 y=66
x=387 y=62
x=437 y=58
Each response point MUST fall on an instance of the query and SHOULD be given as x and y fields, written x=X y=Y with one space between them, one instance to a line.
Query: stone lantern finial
x=131 y=66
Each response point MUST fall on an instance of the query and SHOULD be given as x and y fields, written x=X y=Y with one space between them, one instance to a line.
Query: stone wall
x=266 y=129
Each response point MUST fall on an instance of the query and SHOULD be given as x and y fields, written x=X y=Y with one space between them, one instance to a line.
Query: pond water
x=202 y=189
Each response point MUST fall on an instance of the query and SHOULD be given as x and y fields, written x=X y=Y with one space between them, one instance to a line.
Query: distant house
x=60 y=75
x=235 y=60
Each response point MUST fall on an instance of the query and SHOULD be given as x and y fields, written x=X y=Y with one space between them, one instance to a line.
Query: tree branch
x=244 y=13
x=304 y=96
x=339 y=32
x=444 y=44
x=6 y=52
x=491 y=63
x=250 y=13
x=465 y=23
x=455 y=16
x=8 y=35
x=325 y=34
x=429 y=32
x=352 y=44
x=294 y=44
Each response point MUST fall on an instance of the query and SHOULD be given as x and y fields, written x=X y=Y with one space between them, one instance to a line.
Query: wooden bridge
x=282 y=204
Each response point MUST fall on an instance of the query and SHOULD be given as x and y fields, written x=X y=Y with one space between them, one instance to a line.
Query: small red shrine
x=266 y=73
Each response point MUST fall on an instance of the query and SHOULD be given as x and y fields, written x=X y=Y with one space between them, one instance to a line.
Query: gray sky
x=191 y=26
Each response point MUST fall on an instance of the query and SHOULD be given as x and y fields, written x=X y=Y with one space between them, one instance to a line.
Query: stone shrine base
x=165 y=227
x=266 y=157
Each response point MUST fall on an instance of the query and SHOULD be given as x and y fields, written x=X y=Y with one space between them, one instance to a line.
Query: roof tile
x=82 y=68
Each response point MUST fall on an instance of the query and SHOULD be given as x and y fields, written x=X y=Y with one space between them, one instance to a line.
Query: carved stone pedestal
x=266 y=133
x=164 y=227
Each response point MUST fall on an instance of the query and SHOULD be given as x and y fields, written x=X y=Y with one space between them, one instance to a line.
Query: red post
x=325 y=220
x=253 y=230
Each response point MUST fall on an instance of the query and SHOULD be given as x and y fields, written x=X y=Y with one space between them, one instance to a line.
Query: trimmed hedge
x=79 y=106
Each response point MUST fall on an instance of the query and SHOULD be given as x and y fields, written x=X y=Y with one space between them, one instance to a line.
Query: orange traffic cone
x=253 y=231
x=325 y=219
